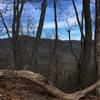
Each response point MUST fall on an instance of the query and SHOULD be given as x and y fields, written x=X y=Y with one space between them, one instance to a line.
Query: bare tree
x=81 y=31
x=17 y=11
x=54 y=52
x=86 y=73
x=36 y=43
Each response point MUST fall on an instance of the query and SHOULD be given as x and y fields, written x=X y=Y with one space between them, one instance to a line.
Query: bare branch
x=76 y=12
x=3 y=21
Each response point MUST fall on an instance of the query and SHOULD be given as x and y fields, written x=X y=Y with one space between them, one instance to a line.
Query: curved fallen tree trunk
x=47 y=85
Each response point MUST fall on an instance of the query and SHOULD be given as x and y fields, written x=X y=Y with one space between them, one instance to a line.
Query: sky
x=31 y=15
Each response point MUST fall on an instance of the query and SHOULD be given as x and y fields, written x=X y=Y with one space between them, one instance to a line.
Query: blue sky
x=31 y=14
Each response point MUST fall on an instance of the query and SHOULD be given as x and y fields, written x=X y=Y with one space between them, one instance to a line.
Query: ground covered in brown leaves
x=22 y=89
x=91 y=98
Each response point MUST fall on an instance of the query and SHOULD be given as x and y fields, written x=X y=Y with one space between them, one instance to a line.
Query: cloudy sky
x=65 y=11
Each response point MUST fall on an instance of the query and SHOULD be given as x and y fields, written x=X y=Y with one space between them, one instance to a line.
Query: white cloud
x=51 y=25
x=61 y=24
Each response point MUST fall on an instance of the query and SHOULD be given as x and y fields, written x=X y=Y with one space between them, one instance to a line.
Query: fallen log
x=46 y=84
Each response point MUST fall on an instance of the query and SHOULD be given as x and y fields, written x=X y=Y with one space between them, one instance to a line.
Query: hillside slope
x=63 y=76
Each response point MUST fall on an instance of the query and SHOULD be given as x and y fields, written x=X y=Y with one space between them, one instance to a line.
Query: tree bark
x=97 y=39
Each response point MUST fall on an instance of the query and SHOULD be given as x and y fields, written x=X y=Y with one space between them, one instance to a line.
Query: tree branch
x=43 y=82
x=76 y=12
x=3 y=21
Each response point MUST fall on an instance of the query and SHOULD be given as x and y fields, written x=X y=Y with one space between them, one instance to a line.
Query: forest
x=49 y=49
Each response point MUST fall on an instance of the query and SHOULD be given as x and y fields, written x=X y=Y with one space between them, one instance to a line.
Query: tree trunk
x=97 y=39
x=54 y=52
x=17 y=11
x=38 y=34
x=87 y=72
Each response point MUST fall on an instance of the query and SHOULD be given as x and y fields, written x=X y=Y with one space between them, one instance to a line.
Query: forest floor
x=28 y=95
x=91 y=98
x=24 y=85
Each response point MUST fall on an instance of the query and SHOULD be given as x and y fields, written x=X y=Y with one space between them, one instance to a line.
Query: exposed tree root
x=43 y=82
